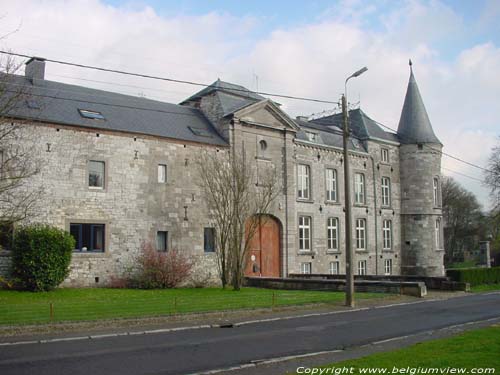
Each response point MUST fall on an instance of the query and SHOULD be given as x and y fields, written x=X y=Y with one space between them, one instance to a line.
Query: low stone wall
x=411 y=288
x=5 y=263
x=436 y=283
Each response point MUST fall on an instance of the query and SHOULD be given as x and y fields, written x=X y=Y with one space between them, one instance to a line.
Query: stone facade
x=133 y=205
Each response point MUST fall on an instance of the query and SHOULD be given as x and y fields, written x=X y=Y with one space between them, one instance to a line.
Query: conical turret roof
x=414 y=125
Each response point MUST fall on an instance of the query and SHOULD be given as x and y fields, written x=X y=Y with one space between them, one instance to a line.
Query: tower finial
x=410 y=63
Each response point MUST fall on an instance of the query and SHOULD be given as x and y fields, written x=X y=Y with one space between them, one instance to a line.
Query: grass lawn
x=485 y=288
x=101 y=303
x=479 y=348
x=467 y=264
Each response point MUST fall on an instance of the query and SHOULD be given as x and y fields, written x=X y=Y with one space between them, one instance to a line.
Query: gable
x=266 y=114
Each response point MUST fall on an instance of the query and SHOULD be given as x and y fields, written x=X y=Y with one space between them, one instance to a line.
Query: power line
x=169 y=79
x=462 y=174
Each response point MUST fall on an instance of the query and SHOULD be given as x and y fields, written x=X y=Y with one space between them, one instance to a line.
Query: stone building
x=117 y=170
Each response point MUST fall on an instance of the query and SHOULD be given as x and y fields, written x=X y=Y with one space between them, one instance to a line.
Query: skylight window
x=91 y=114
x=200 y=132
x=33 y=104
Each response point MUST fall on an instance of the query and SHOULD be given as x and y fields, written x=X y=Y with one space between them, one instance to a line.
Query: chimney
x=35 y=68
x=302 y=118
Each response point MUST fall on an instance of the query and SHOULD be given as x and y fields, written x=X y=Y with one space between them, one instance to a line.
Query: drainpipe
x=285 y=158
x=375 y=208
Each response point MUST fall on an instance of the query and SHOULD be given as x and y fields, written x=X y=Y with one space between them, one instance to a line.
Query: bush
x=475 y=276
x=41 y=256
x=157 y=269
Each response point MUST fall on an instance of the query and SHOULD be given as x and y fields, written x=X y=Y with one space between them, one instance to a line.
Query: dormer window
x=312 y=137
x=93 y=115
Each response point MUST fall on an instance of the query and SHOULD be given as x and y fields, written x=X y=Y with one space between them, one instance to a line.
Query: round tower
x=420 y=167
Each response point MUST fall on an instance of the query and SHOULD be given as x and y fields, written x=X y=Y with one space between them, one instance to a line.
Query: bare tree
x=238 y=197
x=492 y=177
x=17 y=160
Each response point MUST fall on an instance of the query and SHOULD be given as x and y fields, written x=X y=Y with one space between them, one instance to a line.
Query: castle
x=117 y=170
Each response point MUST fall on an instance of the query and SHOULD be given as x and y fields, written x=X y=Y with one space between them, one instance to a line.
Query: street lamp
x=349 y=256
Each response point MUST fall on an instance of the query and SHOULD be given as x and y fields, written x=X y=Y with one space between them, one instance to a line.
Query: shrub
x=157 y=269
x=41 y=256
x=475 y=276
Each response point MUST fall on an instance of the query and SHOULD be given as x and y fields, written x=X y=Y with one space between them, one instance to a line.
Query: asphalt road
x=190 y=351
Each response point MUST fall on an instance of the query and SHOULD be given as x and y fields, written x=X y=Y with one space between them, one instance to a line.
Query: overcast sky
x=303 y=48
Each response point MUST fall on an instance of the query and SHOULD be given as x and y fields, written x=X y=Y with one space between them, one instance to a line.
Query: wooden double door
x=264 y=254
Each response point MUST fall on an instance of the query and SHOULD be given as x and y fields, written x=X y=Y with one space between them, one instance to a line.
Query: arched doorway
x=263 y=257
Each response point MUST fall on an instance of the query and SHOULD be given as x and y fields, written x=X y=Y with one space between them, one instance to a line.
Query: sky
x=301 y=48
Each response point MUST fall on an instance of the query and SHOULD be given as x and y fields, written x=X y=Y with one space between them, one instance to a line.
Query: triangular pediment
x=266 y=113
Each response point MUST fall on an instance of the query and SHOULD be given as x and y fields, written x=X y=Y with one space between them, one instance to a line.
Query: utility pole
x=349 y=255
x=349 y=282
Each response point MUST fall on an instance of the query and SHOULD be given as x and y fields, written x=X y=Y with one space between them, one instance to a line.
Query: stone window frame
x=385 y=151
x=310 y=217
x=166 y=244
x=438 y=236
x=436 y=191
x=363 y=191
x=106 y=174
x=364 y=238
x=158 y=165
x=336 y=268
x=388 y=188
x=212 y=228
x=335 y=239
x=107 y=237
x=388 y=267
x=389 y=237
x=362 y=267
x=306 y=268
x=309 y=198
x=336 y=185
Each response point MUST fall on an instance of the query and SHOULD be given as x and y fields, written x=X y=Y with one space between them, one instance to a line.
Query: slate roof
x=230 y=88
x=414 y=125
x=59 y=103
x=362 y=126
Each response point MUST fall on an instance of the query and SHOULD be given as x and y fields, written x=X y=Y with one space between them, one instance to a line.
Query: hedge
x=475 y=276
x=41 y=256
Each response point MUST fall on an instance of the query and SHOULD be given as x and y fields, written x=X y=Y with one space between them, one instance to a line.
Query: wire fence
x=88 y=309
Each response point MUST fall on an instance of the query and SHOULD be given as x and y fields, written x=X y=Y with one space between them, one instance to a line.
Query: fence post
x=51 y=309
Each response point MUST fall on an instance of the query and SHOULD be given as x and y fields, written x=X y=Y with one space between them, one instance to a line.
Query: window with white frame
x=387 y=234
x=334 y=268
x=384 y=155
x=438 y=234
x=305 y=268
x=96 y=174
x=331 y=185
x=304 y=233
x=360 y=234
x=359 y=188
x=435 y=187
x=386 y=191
x=388 y=266
x=303 y=181
x=162 y=173
x=332 y=229
x=361 y=267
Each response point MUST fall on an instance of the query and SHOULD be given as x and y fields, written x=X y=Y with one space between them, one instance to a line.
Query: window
x=305 y=268
x=96 y=174
x=162 y=240
x=88 y=237
x=438 y=234
x=263 y=145
x=6 y=235
x=384 y=155
x=334 y=268
x=362 y=267
x=332 y=233
x=331 y=185
x=209 y=240
x=304 y=233
x=435 y=186
x=311 y=137
x=386 y=191
x=162 y=173
x=388 y=267
x=387 y=234
x=360 y=234
x=93 y=115
x=303 y=181
x=200 y=132
x=359 y=188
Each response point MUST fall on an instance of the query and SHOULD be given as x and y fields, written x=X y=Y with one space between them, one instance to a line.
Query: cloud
x=460 y=90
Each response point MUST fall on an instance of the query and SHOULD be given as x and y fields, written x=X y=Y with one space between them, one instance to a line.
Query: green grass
x=457 y=265
x=478 y=348
x=485 y=288
x=100 y=303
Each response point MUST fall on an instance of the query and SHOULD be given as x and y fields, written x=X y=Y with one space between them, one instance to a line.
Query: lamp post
x=349 y=256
